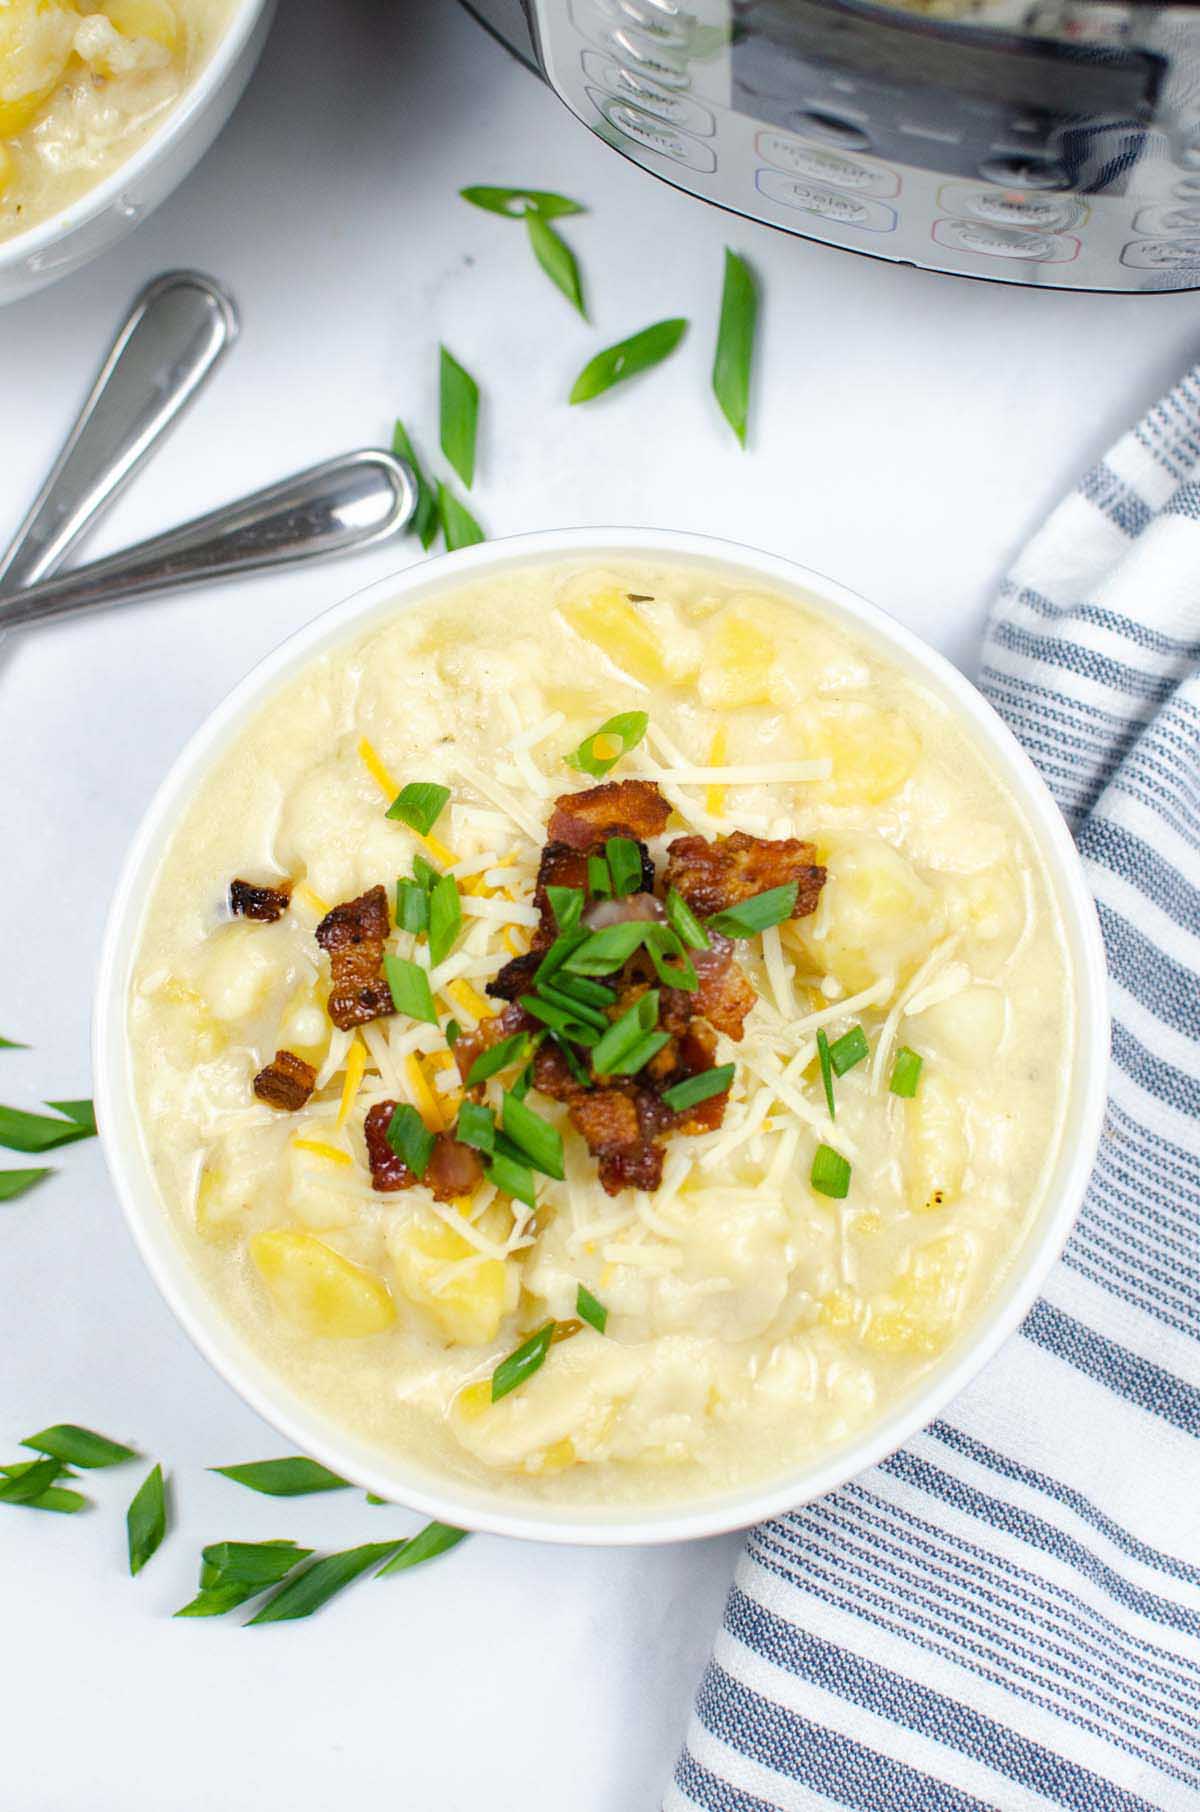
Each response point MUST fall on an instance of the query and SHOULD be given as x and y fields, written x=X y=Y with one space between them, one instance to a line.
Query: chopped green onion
x=77 y=1446
x=499 y=1057
x=848 y=1050
x=684 y=922
x=640 y=1055
x=523 y=1083
x=627 y=727
x=638 y=353
x=461 y=528
x=146 y=1519
x=538 y=1141
x=581 y=987
x=82 y=1112
x=606 y=950
x=566 y=903
x=600 y=884
x=567 y=1023
x=15 y=1182
x=476 y=1126
x=694 y=1089
x=458 y=412
x=576 y=1068
x=412 y=907
x=511 y=1177
x=20 y=1131
x=295 y=1476
x=312 y=1587
x=758 y=913
x=49 y=1497
x=559 y=951
x=556 y=259
x=427 y=1544
x=409 y=984
x=425 y=517
x=519 y=204
x=410 y=1138
x=906 y=1073
x=589 y=1309
x=571 y=1003
x=453 y=1032
x=624 y=1033
x=12 y=1044
x=735 y=343
x=445 y=918
x=830 y=1173
x=233 y=1571
x=624 y=865
x=826 y=1071
x=24 y=1484
x=419 y=805
x=662 y=941
x=523 y=1363
x=425 y=872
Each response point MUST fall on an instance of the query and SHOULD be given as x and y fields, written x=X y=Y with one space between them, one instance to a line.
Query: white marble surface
x=909 y=431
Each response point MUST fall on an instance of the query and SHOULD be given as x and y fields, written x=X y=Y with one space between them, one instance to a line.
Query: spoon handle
x=176 y=332
x=341 y=505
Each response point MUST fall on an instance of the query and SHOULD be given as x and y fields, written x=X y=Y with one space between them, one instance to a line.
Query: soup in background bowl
x=600 y=1034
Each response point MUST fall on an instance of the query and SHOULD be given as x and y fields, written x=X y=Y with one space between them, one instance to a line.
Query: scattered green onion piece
x=540 y=1142
x=606 y=950
x=233 y=1571
x=523 y=1363
x=758 y=913
x=640 y=1055
x=458 y=415
x=410 y=1138
x=568 y=1024
x=627 y=727
x=295 y=1476
x=906 y=1073
x=566 y=903
x=15 y=1182
x=146 y=1519
x=582 y=987
x=24 y=1483
x=427 y=1544
x=20 y=1131
x=51 y=1497
x=556 y=259
x=499 y=1057
x=624 y=1033
x=312 y=1587
x=848 y=1050
x=627 y=357
x=826 y=1072
x=412 y=907
x=425 y=873
x=82 y=1112
x=476 y=1126
x=576 y=1068
x=12 y=1044
x=518 y=204
x=511 y=1177
x=735 y=343
x=684 y=922
x=409 y=984
x=445 y=918
x=624 y=865
x=662 y=942
x=571 y=1003
x=419 y=805
x=523 y=1083
x=559 y=951
x=425 y=517
x=599 y=881
x=694 y=1089
x=77 y=1446
x=461 y=528
x=830 y=1173
x=590 y=1309
x=453 y=1032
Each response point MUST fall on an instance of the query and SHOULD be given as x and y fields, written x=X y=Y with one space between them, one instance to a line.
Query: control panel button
x=643 y=54
x=1020 y=170
x=827 y=204
x=1169 y=218
x=626 y=85
x=988 y=241
x=1011 y=207
x=846 y=134
x=826 y=166
x=1162 y=255
x=661 y=23
x=654 y=134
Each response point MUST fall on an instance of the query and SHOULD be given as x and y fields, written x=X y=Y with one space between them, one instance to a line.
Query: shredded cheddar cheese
x=320 y=1148
x=714 y=798
x=423 y=1096
x=356 y=1066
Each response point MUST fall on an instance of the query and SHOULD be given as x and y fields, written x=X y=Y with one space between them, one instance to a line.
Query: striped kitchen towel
x=1006 y=1614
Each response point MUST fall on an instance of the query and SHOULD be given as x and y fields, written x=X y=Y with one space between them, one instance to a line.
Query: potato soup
x=602 y=1034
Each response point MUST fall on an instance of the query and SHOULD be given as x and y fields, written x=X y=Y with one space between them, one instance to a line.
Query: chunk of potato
x=738 y=662
x=935 y=1145
x=967 y=1027
x=305 y=1027
x=191 y=1026
x=153 y=19
x=876 y=918
x=317 y=1188
x=240 y=966
x=607 y=618
x=921 y=1313
x=317 y=1289
x=35 y=47
x=469 y=1306
x=873 y=752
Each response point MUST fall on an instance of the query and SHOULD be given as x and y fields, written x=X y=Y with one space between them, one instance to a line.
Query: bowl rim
x=312 y=1429
x=243 y=20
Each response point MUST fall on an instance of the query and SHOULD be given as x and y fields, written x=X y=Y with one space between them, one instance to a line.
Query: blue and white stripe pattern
x=1006 y=1614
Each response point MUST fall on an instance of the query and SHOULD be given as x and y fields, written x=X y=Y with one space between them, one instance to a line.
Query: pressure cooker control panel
x=1034 y=169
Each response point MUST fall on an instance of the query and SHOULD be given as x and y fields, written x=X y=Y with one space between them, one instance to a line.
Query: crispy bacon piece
x=454 y=1169
x=616 y=808
x=712 y=877
x=515 y=978
x=565 y=865
x=354 y=934
x=552 y=1074
x=248 y=901
x=620 y=1128
x=723 y=998
x=286 y=1083
x=491 y=1031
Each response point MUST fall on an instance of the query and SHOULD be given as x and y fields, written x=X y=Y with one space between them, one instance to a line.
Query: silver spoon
x=178 y=330
x=339 y=505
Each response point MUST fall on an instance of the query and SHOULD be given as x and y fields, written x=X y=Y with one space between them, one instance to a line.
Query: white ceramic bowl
x=105 y=213
x=403 y=1480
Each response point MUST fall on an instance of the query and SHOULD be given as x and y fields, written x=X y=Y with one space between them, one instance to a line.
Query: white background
x=909 y=432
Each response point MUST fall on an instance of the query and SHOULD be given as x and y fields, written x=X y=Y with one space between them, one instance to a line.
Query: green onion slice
x=15 y=1182
x=583 y=988
x=830 y=1173
x=412 y=907
x=624 y=1033
x=499 y=1057
x=566 y=903
x=627 y=357
x=848 y=1050
x=409 y=984
x=77 y=1446
x=556 y=259
x=570 y=1002
x=662 y=942
x=627 y=728
x=559 y=951
x=23 y=1484
x=445 y=918
x=684 y=922
x=460 y=526
x=523 y=1363
x=307 y=1590
x=518 y=204
x=906 y=1073
x=419 y=805
x=458 y=413
x=511 y=1177
x=425 y=873
x=826 y=1063
x=606 y=950
x=427 y=1544
x=590 y=1309
x=146 y=1519
x=539 y=1142
x=50 y=1496
x=12 y=1044
x=600 y=884
x=640 y=1055
x=425 y=517
x=624 y=865
x=453 y=1032
x=476 y=1126
x=694 y=1089
x=410 y=1138
x=573 y=1064
x=758 y=913
x=295 y=1476
x=20 y=1131
x=735 y=343
x=567 y=1022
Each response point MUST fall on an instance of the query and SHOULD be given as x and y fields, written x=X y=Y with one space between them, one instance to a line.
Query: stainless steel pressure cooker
x=1050 y=142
